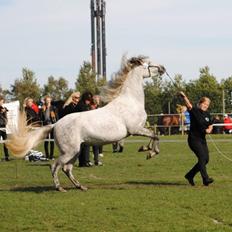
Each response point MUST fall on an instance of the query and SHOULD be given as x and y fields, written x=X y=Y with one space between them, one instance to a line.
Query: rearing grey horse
x=124 y=115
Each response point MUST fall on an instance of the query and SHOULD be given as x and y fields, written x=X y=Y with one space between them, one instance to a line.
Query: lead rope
x=218 y=150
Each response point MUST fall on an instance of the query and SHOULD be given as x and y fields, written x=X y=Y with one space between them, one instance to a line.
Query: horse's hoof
x=157 y=151
x=83 y=188
x=151 y=154
x=143 y=148
x=148 y=156
x=60 y=189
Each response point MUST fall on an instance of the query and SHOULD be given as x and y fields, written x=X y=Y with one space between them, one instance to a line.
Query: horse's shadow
x=35 y=189
x=113 y=186
x=35 y=164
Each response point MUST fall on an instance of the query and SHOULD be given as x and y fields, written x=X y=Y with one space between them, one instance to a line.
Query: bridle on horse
x=148 y=66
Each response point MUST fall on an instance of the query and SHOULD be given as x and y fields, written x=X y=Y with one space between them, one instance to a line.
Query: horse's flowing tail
x=24 y=138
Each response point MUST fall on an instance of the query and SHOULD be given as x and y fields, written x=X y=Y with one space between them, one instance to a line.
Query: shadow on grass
x=39 y=164
x=40 y=189
x=156 y=183
x=106 y=186
x=35 y=189
x=135 y=185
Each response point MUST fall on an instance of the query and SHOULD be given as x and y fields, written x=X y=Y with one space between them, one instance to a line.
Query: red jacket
x=35 y=108
x=228 y=120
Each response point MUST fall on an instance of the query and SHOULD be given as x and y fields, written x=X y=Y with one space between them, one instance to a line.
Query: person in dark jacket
x=200 y=125
x=48 y=115
x=31 y=112
x=85 y=105
x=3 y=122
x=71 y=105
x=76 y=104
x=97 y=149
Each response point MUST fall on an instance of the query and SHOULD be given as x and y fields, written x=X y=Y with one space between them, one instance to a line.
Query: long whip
x=218 y=150
x=172 y=80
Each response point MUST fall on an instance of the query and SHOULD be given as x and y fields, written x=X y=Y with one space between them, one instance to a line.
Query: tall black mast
x=98 y=39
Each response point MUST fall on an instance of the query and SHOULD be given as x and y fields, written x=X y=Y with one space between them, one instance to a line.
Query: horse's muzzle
x=161 y=69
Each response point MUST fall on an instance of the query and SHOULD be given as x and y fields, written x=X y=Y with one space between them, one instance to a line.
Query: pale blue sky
x=52 y=37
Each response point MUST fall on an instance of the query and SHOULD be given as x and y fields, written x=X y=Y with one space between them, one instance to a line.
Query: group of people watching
x=46 y=113
x=226 y=120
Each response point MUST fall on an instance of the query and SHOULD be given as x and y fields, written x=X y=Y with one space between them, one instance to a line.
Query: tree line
x=161 y=94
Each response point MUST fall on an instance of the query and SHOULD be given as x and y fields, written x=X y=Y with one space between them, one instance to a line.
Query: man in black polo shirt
x=200 y=125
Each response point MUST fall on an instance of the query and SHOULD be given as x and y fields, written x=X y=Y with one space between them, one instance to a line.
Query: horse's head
x=153 y=69
x=150 y=69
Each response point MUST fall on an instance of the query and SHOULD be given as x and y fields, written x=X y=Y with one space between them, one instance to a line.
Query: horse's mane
x=114 y=86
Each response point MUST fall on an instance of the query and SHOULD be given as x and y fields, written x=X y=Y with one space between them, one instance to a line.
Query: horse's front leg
x=153 y=145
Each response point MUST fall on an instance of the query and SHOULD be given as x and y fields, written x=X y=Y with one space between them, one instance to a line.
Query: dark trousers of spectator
x=84 y=155
x=100 y=148
x=96 y=152
x=4 y=137
x=200 y=149
x=52 y=145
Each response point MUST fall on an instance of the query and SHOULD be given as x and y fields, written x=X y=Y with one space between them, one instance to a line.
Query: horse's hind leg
x=67 y=169
x=146 y=147
x=54 y=169
x=154 y=148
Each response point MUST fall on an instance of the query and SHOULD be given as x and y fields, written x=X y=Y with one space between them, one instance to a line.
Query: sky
x=53 y=37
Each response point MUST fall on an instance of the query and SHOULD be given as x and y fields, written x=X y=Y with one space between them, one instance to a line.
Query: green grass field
x=128 y=193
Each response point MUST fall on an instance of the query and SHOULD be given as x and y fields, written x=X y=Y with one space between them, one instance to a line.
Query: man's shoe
x=207 y=182
x=190 y=180
x=7 y=159
x=89 y=164
x=85 y=165
x=99 y=163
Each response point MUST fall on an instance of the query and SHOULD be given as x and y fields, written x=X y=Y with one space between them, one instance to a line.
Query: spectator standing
x=48 y=115
x=31 y=111
x=70 y=106
x=217 y=129
x=97 y=149
x=184 y=119
x=187 y=119
x=3 y=122
x=227 y=120
x=74 y=105
x=85 y=105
